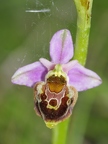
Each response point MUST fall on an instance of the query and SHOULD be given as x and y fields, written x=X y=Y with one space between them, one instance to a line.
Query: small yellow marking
x=51 y=124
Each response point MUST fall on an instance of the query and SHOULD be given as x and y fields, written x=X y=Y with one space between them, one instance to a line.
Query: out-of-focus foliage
x=24 y=38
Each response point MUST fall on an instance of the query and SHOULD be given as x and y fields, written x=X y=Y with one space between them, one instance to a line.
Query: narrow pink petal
x=69 y=65
x=82 y=78
x=61 y=47
x=29 y=74
x=49 y=65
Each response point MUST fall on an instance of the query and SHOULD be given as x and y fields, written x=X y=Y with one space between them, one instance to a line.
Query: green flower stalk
x=84 y=10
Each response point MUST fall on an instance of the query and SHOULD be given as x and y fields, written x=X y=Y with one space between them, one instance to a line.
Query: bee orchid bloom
x=56 y=83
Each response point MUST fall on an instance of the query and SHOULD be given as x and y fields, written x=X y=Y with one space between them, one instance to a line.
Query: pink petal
x=69 y=65
x=82 y=78
x=49 y=65
x=29 y=74
x=61 y=47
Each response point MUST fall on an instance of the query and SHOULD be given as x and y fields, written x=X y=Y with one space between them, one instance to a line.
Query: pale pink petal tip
x=82 y=78
x=61 y=47
x=29 y=74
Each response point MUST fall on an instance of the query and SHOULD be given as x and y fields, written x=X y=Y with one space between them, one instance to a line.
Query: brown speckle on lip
x=53 y=102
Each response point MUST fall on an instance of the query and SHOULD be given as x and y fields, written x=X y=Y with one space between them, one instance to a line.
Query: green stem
x=84 y=8
x=60 y=132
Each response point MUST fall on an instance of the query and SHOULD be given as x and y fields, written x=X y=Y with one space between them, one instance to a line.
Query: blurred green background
x=24 y=38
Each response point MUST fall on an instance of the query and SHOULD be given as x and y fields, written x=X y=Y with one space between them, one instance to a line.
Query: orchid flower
x=56 y=83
